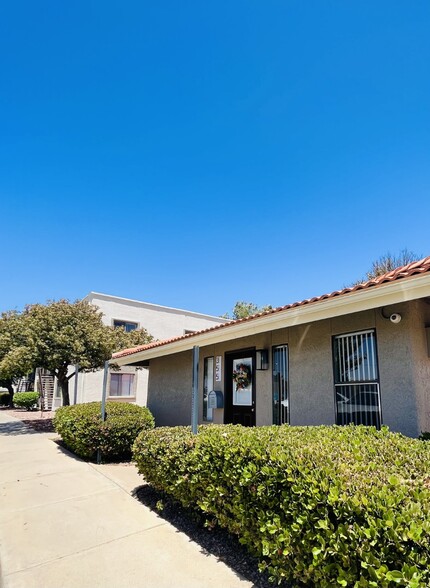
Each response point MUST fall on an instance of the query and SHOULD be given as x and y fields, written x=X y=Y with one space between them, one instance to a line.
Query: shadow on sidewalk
x=16 y=428
x=213 y=541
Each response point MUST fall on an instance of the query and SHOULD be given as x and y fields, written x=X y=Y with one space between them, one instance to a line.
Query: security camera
x=395 y=318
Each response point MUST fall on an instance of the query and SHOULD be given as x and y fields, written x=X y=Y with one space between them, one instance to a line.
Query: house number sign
x=218 y=374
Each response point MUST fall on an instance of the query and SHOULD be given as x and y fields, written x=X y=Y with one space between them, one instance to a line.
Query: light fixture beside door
x=262 y=359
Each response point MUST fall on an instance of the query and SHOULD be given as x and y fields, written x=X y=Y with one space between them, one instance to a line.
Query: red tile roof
x=400 y=273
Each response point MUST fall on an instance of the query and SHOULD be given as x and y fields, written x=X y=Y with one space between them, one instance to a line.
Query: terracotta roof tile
x=406 y=271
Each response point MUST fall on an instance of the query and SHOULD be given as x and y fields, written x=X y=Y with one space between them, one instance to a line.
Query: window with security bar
x=208 y=383
x=281 y=413
x=356 y=377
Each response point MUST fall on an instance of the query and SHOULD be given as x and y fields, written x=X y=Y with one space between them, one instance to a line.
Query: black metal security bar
x=281 y=414
x=357 y=393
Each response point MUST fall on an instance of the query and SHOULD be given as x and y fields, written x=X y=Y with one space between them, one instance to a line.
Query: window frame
x=363 y=382
x=207 y=387
x=287 y=379
x=132 y=395
x=124 y=325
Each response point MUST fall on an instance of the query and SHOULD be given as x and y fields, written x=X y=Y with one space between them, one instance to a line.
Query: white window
x=121 y=385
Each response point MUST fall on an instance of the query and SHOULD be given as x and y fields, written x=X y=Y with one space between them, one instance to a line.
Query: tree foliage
x=59 y=334
x=15 y=356
x=244 y=309
x=389 y=262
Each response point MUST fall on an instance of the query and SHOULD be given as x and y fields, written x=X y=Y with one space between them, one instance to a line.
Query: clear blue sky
x=195 y=153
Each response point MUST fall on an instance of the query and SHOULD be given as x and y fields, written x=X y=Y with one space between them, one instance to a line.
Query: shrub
x=425 y=436
x=323 y=506
x=4 y=398
x=84 y=432
x=26 y=400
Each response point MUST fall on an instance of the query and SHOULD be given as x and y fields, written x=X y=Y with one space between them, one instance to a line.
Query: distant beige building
x=129 y=385
x=359 y=355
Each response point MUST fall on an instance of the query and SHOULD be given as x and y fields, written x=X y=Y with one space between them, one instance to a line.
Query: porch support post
x=195 y=391
x=103 y=410
x=75 y=395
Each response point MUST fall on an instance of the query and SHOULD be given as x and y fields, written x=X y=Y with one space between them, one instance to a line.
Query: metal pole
x=103 y=411
x=195 y=393
x=75 y=395
x=41 y=398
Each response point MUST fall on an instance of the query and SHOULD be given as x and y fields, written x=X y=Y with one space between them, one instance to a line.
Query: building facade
x=360 y=355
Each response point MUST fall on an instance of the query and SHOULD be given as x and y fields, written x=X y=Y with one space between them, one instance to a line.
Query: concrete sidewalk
x=68 y=524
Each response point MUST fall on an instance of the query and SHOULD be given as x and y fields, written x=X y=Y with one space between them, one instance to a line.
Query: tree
x=60 y=334
x=15 y=357
x=388 y=262
x=244 y=309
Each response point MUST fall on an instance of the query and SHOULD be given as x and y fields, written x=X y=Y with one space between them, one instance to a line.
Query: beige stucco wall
x=90 y=386
x=421 y=347
x=160 y=321
x=169 y=389
x=404 y=368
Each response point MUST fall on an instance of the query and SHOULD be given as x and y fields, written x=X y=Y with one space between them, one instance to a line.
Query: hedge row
x=83 y=431
x=322 y=506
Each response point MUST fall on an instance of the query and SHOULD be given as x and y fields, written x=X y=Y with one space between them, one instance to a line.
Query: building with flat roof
x=129 y=384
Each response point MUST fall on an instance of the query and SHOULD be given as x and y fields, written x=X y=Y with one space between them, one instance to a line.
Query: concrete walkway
x=68 y=524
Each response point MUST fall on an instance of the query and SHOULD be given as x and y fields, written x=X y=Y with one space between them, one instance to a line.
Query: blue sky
x=192 y=154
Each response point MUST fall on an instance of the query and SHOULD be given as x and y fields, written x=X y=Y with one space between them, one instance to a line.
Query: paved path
x=68 y=524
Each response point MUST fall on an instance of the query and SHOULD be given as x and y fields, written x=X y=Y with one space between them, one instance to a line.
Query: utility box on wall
x=215 y=399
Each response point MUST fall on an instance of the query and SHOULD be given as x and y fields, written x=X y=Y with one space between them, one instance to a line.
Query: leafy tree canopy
x=15 y=357
x=59 y=334
x=244 y=309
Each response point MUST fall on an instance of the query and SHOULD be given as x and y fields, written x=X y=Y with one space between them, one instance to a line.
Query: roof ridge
x=406 y=271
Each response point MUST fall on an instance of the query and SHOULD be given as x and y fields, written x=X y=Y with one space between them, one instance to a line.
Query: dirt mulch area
x=39 y=421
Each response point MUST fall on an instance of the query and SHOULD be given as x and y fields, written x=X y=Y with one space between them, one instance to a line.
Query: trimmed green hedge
x=4 y=398
x=26 y=400
x=323 y=506
x=83 y=431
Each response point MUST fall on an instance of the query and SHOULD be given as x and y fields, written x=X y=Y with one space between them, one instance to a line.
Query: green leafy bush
x=322 y=506
x=4 y=398
x=26 y=400
x=425 y=436
x=84 y=432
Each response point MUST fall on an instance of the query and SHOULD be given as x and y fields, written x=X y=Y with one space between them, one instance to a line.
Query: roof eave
x=382 y=295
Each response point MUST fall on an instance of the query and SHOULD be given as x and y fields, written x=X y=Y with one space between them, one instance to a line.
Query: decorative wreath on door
x=242 y=376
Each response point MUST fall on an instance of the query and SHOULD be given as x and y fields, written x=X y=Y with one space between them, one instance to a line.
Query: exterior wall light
x=262 y=359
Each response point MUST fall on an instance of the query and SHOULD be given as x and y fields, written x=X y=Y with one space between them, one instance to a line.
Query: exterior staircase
x=45 y=383
x=24 y=385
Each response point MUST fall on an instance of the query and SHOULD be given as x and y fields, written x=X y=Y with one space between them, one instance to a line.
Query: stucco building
x=129 y=384
x=359 y=355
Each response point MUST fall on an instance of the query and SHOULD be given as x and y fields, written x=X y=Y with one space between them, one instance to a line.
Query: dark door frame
x=229 y=356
